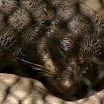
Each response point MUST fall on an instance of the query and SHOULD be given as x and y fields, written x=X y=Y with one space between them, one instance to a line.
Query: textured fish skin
x=63 y=40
